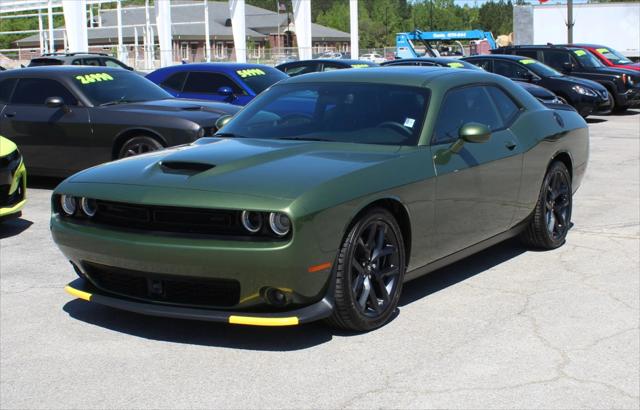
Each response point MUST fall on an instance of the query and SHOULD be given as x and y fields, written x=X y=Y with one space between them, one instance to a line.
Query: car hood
x=175 y=106
x=536 y=90
x=264 y=168
x=583 y=82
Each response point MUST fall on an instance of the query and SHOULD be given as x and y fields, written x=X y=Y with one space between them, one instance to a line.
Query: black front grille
x=164 y=288
x=169 y=219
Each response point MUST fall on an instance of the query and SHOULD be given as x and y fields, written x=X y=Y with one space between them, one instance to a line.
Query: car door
x=476 y=188
x=206 y=86
x=46 y=136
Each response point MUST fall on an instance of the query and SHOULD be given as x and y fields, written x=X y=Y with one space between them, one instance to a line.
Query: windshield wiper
x=303 y=139
x=114 y=102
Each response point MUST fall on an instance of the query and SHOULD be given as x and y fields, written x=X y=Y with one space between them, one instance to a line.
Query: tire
x=369 y=273
x=612 y=107
x=551 y=217
x=620 y=109
x=137 y=145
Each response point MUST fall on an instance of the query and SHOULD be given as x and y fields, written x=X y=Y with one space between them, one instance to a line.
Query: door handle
x=9 y=114
x=510 y=145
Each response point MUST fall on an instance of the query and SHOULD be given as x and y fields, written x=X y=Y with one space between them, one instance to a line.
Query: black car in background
x=68 y=118
x=545 y=96
x=587 y=97
x=622 y=85
x=295 y=68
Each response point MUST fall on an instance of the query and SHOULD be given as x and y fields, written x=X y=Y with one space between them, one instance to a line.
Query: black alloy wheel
x=370 y=271
x=139 y=145
x=551 y=218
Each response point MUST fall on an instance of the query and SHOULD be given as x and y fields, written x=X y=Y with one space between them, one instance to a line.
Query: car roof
x=61 y=71
x=226 y=67
x=542 y=46
x=402 y=75
x=514 y=57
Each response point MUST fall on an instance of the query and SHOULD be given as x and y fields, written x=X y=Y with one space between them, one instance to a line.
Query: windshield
x=586 y=59
x=259 y=79
x=540 y=69
x=341 y=112
x=118 y=86
x=613 y=56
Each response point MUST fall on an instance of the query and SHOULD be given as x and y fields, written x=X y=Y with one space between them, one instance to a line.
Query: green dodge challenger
x=322 y=197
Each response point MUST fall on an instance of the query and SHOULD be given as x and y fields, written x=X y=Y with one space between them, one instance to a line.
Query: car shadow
x=595 y=120
x=13 y=227
x=283 y=338
x=634 y=111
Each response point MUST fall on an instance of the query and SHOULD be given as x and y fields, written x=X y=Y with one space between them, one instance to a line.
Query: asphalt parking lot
x=506 y=328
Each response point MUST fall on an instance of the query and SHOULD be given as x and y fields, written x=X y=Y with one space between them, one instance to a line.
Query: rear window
x=37 y=62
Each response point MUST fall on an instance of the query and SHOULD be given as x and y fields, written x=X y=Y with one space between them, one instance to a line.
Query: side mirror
x=225 y=91
x=222 y=121
x=527 y=76
x=54 y=102
x=129 y=68
x=567 y=67
x=474 y=132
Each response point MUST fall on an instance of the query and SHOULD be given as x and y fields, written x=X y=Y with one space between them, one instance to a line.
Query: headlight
x=88 y=206
x=68 y=204
x=280 y=223
x=584 y=90
x=252 y=221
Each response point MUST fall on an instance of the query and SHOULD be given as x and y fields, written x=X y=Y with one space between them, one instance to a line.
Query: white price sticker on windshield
x=409 y=122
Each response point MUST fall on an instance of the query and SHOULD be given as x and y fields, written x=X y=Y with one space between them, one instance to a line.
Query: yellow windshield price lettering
x=455 y=65
x=92 y=78
x=602 y=50
x=250 y=72
x=579 y=53
x=528 y=61
x=359 y=65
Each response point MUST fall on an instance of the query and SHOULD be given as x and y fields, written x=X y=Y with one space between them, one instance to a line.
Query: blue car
x=226 y=82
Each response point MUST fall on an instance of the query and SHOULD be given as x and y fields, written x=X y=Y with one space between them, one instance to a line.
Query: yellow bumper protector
x=263 y=321
x=78 y=293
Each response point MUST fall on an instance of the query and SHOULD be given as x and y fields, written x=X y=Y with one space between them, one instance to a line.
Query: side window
x=77 y=61
x=461 y=106
x=331 y=67
x=112 y=63
x=37 y=90
x=556 y=59
x=509 y=69
x=209 y=83
x=528 y=53
x=175 y=81
x=484 y=64
x=505 y=105
x=6 y=87
x=301 y=69
x=92 y=61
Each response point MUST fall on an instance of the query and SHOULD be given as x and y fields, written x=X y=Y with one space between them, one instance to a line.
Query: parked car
x=312 y=66
x=232 y=83
x=545 y=96
x=330 y=55
x=623 y=86
x=587 y=97
x=13 y=180
x=373 y=57
x=610 y=57
x=377 y=177
x=92 y=59
x=68 y=118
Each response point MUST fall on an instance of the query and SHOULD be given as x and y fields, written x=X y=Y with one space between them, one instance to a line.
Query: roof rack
x=73 y=54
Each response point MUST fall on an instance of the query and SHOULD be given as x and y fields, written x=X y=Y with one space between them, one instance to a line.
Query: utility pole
x=570 y=21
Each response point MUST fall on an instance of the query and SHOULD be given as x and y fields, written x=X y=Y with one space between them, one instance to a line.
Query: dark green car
x=322 y=197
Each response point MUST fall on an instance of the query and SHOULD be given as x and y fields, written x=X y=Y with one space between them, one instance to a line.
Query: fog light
x=252 y=221
x=275 y=297
x=280 y=223
x=68 y=204
x=88 y=206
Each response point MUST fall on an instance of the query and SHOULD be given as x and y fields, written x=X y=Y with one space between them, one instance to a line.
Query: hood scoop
x=184 y=167
x=192 y=108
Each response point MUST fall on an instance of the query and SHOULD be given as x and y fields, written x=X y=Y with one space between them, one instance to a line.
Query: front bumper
x=13 y=191
x=630 y=98
x=82 y=289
